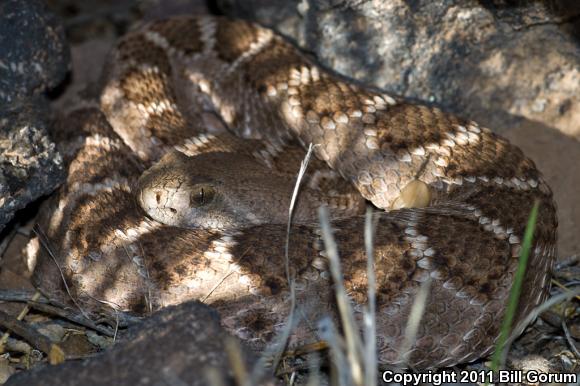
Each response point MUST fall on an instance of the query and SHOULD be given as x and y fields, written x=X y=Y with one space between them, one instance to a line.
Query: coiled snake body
x=208 y=220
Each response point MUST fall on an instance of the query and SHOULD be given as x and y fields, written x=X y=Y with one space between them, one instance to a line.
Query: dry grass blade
x=115 y=308
x=149 y=296
x=283 y=337
x=301 y=172
x=342 y=370
x=570 y=339
x=32 y=336
x=415 y=316
x=562 y=286
x=538 y=310
x=314 y=374
x=370 y=349
x=230 y=272
x=45 y=244
x=235 y=360
x=75 y=318
x=20 y=316
x=276 y=349
x=306 y=349
x=214 y=377
x=354 y=350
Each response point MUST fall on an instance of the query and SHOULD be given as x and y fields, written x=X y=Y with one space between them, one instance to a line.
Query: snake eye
x=201 y=195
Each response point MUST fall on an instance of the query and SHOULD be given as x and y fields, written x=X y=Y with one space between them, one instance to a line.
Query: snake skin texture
x=204 y=221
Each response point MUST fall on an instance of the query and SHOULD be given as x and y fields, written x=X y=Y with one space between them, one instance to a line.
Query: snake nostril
x=158 y=197
x=173 y=210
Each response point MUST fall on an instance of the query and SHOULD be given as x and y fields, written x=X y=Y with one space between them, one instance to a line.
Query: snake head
x=175 y=193
x=213 y=191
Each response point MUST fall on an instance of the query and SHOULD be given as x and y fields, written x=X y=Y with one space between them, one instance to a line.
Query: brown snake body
x=140 y=244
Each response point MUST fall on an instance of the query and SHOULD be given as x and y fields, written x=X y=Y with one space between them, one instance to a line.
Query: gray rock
x=30 y=165
x=174 y=347
x=486 y=60
x=35 y=56
x=34 y=59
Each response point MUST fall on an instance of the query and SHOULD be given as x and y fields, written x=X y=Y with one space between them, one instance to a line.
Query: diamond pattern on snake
x=180 y=178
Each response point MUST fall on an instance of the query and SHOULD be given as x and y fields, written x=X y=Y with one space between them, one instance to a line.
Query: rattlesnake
x=161 y=85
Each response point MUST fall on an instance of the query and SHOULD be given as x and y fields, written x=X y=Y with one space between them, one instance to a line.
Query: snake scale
x=207 y=220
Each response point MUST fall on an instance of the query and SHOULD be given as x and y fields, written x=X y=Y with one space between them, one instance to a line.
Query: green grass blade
x=516 y=288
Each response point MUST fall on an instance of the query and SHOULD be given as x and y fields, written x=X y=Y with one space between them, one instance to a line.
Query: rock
x=31 y=166
x=482 y=60
x=175 y=346
x=35 y=58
